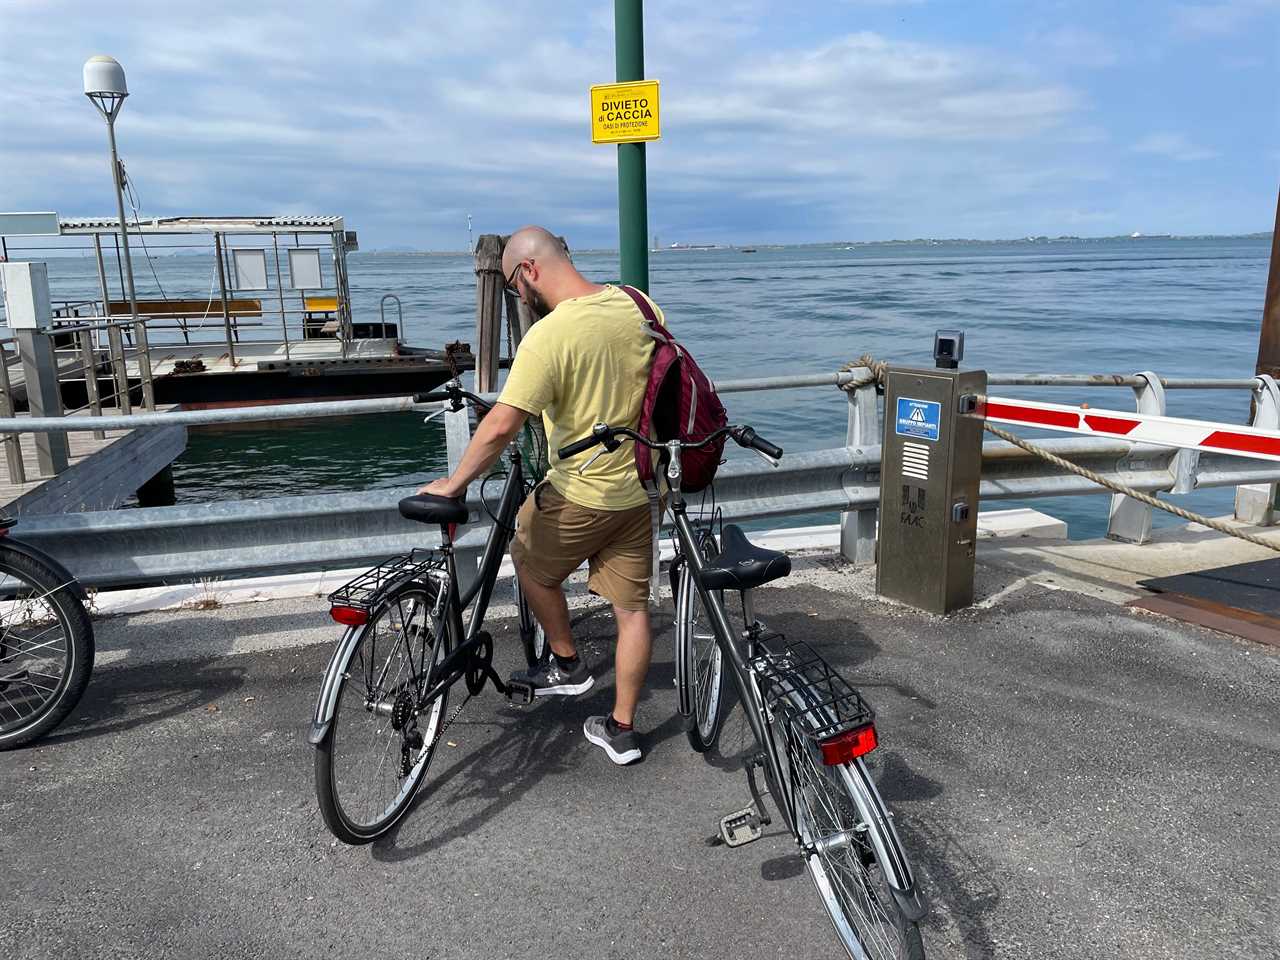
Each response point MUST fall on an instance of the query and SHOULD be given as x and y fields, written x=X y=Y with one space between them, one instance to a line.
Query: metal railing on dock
x=310 y=532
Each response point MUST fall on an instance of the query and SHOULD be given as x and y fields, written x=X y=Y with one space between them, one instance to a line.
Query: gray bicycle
x=811 y=727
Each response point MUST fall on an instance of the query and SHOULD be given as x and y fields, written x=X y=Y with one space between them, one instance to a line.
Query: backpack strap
x=646 y=311
x=656 y=505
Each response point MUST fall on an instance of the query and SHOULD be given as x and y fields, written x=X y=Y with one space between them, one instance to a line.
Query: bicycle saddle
x=742 y=565
x=426 y=508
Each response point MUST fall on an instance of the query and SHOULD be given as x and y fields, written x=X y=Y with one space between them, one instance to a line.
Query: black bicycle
x=46 y=641
x=811 y=727
x=381 y=709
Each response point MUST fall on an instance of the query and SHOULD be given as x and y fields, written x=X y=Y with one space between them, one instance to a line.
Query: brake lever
x=599 y=453
x=765 y=457
x=438 y=413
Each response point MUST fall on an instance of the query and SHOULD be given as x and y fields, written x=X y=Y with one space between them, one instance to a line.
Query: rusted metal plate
x=1249 y=624
x=1245 y=586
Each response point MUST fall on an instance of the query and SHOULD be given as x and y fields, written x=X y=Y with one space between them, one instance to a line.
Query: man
x=585 y=360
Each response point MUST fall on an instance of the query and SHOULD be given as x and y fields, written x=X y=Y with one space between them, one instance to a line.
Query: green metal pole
x=633 y=201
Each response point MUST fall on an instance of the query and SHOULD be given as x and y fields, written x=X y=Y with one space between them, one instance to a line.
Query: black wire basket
x=796 y=678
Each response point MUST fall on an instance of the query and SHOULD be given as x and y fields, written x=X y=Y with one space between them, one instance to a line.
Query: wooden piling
x=489 y=284
x=1269 y=336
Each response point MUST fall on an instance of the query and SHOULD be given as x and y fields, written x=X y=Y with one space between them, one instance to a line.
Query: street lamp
x=105 y=87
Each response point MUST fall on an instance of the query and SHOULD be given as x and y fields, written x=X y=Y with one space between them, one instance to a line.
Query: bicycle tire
x=368 y=697
x=532 y=636
x=868 y=920
x=35 y=596
x=699 y=659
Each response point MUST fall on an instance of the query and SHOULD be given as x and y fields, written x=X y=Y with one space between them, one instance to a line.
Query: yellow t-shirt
x=587 y=361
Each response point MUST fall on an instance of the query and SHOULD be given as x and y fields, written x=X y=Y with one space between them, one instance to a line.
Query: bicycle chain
x=454 y=716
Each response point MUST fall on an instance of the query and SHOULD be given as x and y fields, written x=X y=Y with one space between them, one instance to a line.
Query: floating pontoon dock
x=276 y=322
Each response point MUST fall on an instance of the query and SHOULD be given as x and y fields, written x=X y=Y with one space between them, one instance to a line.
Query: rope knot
x=876 y=370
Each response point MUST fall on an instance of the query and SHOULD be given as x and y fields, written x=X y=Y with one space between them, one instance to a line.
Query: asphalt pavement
x=1072 y=779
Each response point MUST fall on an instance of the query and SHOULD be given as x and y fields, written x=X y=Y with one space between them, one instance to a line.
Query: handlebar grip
x=577 y=447
x=431 y=397
x=756 y=442
x=767 y=448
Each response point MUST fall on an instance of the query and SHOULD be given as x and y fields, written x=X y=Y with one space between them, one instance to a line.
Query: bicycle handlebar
x=453 y=392
x=747 y=437
x=577 y=447
x=611 y=437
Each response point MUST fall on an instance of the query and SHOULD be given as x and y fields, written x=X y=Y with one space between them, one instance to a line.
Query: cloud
x=1219 y=19
x=778 y=123
x=1174 y=146
x=1076 y=46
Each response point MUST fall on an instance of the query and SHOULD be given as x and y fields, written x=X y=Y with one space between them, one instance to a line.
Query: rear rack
x=364 y=589
x=832 y=704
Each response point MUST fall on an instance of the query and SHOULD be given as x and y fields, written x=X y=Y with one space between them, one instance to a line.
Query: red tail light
x=849 y=745
x=349 y=616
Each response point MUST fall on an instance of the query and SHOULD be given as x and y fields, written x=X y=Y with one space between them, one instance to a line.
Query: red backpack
x=679 y=404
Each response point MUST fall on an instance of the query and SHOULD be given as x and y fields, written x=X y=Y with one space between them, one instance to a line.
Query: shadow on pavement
x=496 y=774
x=125 y=699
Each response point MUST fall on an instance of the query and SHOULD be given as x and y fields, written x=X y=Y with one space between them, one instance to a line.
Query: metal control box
x=931 y=465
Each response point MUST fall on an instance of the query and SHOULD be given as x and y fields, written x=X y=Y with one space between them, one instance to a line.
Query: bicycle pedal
x=519 y=692
x=741 y=827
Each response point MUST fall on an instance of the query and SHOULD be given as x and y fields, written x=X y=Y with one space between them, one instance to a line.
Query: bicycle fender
x=35 y=553
x=883 y=834
x=913 y=903
x=327 y=701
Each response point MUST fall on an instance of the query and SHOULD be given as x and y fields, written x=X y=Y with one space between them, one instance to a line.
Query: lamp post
x=105 y=87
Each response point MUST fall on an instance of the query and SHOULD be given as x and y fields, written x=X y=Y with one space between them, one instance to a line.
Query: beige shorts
x=554 y=536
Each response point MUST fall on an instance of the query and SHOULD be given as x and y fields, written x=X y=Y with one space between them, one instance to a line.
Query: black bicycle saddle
x=426 y=508
x=742 y=565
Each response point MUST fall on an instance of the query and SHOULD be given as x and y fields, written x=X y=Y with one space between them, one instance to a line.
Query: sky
x=781 y=122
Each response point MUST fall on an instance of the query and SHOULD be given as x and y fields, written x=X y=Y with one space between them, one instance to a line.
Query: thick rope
x=1129 y=491
x=876 y=370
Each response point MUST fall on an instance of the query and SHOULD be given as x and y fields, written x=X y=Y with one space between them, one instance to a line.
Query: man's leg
x=632 y=661
x=551 y=610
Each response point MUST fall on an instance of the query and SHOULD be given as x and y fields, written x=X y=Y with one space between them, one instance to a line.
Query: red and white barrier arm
x=1138 y=427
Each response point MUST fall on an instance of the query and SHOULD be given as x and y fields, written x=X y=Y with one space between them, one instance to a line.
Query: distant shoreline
x=840 y=244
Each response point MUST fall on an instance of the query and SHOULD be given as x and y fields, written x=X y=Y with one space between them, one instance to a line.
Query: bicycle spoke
x=824 y=811
x=392 y=661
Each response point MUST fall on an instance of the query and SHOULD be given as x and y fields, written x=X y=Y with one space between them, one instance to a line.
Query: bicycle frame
x=444 y=672
x=884 y=836
x=447 y=672
x=740 y=669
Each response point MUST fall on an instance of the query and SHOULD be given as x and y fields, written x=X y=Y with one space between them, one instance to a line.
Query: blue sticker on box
x=918 y=418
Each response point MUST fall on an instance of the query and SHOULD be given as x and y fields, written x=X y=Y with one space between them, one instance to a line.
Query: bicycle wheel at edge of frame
x=533 y=638
x=77 y=629
x=708 y=701
x=798 y=748
x=338 y=820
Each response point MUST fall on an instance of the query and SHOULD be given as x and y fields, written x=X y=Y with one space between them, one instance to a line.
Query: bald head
x=537 y=265
x=537 y=244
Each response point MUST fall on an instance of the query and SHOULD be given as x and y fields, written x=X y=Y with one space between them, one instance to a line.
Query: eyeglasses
x=511 y=280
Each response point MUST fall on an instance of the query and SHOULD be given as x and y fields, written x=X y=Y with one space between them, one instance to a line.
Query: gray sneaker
x=552 y=680
x=622 y=746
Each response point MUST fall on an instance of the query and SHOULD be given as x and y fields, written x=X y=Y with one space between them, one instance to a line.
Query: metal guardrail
x=315 y=532
x=344 y=530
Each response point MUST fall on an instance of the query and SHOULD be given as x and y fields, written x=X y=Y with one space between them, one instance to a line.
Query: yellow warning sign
x=624 y=112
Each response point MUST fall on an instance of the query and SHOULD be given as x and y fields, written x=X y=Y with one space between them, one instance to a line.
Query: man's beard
x=536 y=303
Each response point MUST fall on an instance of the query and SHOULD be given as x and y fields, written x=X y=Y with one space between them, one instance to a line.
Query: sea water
x=1180 y=307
